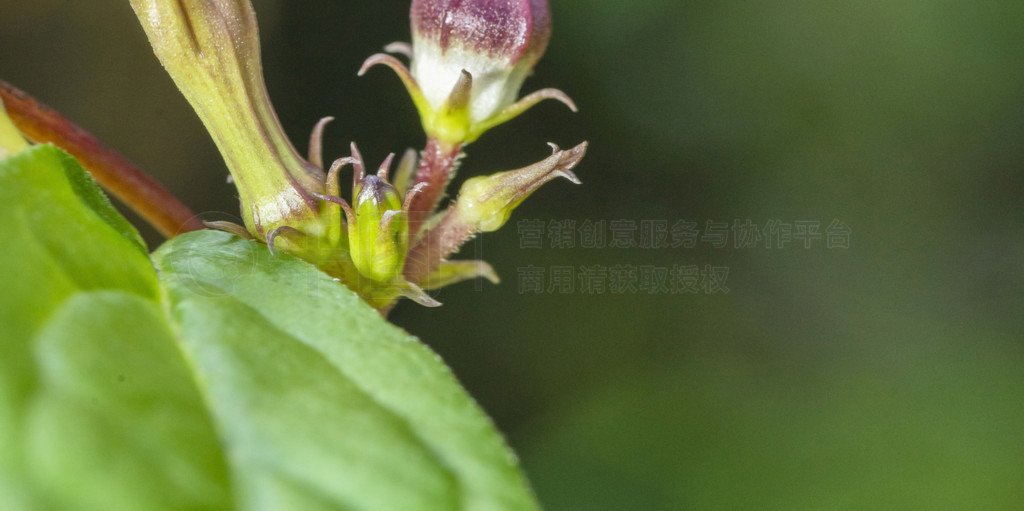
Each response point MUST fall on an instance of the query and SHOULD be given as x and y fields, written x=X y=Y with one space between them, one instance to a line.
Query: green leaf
x=116 y=422
x=97 y=408
x=318 y=400
x=238 y=380
x=56 y=244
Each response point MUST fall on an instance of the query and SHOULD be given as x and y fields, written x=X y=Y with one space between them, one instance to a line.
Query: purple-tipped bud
x=379 y=235
x=499 y=28
x=496 y=41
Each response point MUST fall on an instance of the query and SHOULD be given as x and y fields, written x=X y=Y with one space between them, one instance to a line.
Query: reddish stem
x=437 y=162
x=42 y=124
x=440 y=242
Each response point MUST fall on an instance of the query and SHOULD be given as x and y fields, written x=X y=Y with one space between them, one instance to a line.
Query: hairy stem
x=41 y=124
x=440 y=242
x=437 y=164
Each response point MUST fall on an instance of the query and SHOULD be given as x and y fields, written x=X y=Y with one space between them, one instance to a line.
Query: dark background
x=884 y=375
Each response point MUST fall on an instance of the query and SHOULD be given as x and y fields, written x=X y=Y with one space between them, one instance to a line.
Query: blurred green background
x=885 y=375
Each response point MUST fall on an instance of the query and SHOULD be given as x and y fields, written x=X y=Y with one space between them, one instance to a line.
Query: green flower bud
x=379 y=234
x=485 y=203
x=211 y=49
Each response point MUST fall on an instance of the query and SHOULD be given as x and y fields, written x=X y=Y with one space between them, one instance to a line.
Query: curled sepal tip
x=282 y=232
x=316 y=142
x=230 y=227
x=399 y=47
x=410 y=83
x=514 y=110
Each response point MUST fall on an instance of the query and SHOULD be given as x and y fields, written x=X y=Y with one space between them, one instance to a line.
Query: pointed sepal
x=453 y=272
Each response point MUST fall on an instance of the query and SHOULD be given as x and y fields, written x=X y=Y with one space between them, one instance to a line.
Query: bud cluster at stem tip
x=386 y=240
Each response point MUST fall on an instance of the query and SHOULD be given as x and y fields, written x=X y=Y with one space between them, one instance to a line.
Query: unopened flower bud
x=469 y=60
x=496 y=42
x=379 y=235
x=485 y=203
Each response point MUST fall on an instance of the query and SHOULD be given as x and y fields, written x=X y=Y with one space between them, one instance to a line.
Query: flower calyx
x=377 y=221
x=364 y=244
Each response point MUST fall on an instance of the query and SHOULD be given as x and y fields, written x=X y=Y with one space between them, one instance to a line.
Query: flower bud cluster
x=469 y=59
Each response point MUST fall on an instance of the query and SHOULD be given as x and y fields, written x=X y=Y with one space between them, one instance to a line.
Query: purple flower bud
x=469 y=60
x=496 y=41
x=502 y=29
